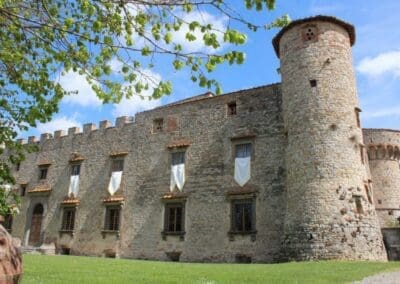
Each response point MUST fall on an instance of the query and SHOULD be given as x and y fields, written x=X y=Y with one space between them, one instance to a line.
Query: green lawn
x=76 y=270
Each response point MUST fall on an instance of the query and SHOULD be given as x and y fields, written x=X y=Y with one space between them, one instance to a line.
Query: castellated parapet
x=325 y=174
x=309 y=190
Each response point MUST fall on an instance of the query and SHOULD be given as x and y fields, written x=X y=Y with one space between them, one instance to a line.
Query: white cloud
x=384 y=63
x=74 y=82
x=59 y=123
x=135 y=103
x=218 y=23
x=383 y=112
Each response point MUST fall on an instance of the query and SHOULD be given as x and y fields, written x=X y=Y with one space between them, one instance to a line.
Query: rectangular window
x=75 y=170
x=43 y=173
x=112 y=218
x=243 y=216
x=243 y=150
x=158 y=125
x=359 y=207
x=178 y=158
x=8 y=220
x=68 y=220
x=23 y=189
x=231 y=108
x=174 y=217
x=117 y=165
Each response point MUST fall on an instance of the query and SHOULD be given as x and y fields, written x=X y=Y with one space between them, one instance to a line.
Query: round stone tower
x=384 y=154
x=328 y=213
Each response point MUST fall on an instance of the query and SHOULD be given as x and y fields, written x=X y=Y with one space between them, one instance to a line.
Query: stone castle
x=274 y=173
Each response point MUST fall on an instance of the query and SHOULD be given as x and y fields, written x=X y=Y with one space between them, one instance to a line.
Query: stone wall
x=210 y=135
x=384 y=154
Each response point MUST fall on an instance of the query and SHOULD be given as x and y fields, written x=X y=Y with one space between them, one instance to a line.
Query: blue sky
x=376 y=56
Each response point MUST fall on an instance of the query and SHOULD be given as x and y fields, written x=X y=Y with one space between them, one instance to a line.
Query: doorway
x=36 y=225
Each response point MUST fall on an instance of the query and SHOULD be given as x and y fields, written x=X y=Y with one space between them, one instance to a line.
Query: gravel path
x=383 y=278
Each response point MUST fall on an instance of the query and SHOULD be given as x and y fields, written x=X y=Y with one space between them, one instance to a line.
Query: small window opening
x=357 y=112
x=362 y=154
x=232 y=108
x=18 y=166
x=359 y=207
x=243 y=150
x=75 y=170
x=158 y=125
x=43 y=173
x=178 y=158
x=379 y=201
x=390 y=212
x=367 y=191
x=65 y=251
x=23 y=189
x=313 y=83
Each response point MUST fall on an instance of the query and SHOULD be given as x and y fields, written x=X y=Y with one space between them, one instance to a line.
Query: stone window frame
x=174 y=203
x=43 y=172
x=241 y=197
x=158 y=125
x=68 y=222
x=115 y=224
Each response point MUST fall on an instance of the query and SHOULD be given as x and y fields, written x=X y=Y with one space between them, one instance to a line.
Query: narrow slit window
x=23 y=189
x=357 y=113
x=368 y=192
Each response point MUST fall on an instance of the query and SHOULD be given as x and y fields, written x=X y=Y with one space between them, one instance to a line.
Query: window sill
x=66 y=232
x=110 y=232
x=252 y=234
x=180 y=234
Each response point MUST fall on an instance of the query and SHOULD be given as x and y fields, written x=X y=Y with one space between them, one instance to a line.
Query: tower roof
x=349 y=28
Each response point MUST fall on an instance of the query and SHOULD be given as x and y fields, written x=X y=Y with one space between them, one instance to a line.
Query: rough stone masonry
x=320 y=187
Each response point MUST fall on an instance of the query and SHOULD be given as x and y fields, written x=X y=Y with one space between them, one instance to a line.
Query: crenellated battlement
x=120 y=122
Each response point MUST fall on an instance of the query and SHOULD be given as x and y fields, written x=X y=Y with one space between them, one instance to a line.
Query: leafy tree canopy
x=42 y=39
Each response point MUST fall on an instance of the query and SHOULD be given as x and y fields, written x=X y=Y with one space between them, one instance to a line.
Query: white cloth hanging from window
x=73 y=186
x=177 y=176
x=242 y=170
x=115 y=182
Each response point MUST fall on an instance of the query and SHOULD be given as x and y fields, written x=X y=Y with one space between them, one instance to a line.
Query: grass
x=74 y=269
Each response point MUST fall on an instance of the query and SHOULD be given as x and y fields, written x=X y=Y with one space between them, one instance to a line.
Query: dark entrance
x=36 y=225
x=391 y=238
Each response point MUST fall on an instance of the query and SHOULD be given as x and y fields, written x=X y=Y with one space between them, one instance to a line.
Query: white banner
x=73 y=186
x=115 y=182
x=242 y=170
x=177 y=176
